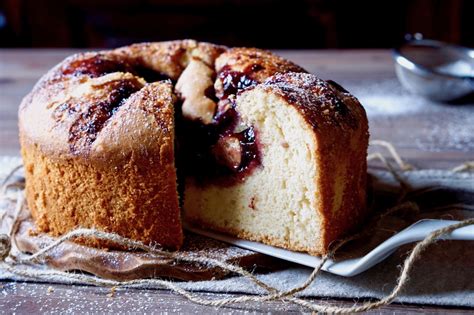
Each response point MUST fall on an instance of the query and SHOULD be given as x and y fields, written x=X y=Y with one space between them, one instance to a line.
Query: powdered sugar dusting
x=321 y=102
x=456 y=134
x=388 y=98
x=443 y=126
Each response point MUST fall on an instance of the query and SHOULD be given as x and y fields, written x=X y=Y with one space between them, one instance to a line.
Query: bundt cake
x=260 y=148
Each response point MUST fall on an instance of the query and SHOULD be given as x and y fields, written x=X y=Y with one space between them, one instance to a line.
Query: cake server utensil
x=436 y=70
x=354 y=266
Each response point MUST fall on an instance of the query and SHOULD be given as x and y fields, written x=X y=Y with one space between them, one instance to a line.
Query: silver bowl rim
x=410 y=65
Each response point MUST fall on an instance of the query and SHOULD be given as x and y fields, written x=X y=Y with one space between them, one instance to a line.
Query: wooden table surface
x=436 y=137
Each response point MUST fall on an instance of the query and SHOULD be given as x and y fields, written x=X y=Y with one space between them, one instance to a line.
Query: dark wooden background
x=279 y=24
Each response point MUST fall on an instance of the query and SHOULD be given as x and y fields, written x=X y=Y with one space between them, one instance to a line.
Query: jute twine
x=25 y=265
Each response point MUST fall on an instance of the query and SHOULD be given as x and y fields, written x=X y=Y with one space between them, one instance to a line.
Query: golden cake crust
x=258 y=64
x=125 y=183
x=81 y=83
x=252 y=65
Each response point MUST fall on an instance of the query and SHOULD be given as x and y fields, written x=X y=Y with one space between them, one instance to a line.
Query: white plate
x=350 y=267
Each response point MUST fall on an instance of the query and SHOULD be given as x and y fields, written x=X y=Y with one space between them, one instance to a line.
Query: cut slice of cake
x=291 y=167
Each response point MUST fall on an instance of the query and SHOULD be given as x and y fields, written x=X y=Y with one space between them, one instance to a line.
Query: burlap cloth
x=444 y=275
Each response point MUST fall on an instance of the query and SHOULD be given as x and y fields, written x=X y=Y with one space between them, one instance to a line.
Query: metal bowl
x=435 y=70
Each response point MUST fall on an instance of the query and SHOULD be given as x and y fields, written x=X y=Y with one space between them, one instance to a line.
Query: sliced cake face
x=308 y=185
x=275 y=203
x=282 y=161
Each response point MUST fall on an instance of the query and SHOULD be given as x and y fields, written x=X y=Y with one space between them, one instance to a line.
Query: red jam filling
x=199 y=145
x=234 y=81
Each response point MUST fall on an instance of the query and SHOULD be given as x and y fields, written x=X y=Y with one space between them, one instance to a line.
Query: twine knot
x=5 y=246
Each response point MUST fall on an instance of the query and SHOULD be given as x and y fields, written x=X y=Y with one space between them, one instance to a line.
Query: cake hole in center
x=226 y=151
